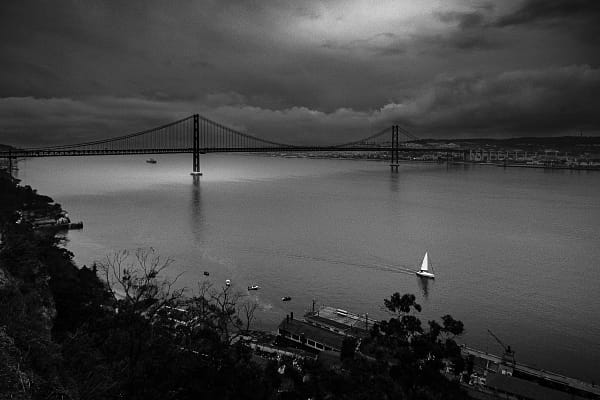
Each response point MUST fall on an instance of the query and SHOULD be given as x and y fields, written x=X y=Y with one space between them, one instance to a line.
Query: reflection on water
x=196 y=218
x=394 y=182
x=424 y=285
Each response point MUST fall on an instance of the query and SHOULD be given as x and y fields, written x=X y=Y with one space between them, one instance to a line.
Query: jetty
x=53 y=224
x=517 y=378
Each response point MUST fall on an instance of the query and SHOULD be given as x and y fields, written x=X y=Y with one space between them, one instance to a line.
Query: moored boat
x=151 y=161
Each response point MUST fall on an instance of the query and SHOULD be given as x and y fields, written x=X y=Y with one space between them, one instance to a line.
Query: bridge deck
x=297 y=149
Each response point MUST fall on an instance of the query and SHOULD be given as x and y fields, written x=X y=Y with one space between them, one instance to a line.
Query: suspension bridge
x=199 y=135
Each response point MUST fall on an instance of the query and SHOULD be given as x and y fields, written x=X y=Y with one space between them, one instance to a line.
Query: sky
x=299 y=71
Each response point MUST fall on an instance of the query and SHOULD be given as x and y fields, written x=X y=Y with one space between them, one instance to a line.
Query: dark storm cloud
x=551 y=10
x=468 y=31
x=550 y=101
x=481 y=27
x=389 y=44
x=29 y=121
x=580 y=18
x=383 y=44
x=460 y=40
x=465 y=20
x=528 y=102
x=299 y=72
x=129 y=48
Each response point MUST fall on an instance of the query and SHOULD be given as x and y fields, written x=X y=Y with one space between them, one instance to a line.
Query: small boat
x=426 y=270
x=286 y=298
x=227 y=282
x=206 y=273
x=253 y=287
x=151 y=161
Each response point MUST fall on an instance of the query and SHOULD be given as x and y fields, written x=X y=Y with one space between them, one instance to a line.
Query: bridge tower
x=196 y=147
x=395 y=156
x=10 y=161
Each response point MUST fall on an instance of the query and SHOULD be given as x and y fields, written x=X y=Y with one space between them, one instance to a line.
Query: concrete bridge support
x=196 y=147
x=395 y=154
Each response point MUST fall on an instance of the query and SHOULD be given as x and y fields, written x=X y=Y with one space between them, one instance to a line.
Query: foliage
x=417 y=355
x=401 y=359
x=348 y=348
x=31 y=360
x=158 y=344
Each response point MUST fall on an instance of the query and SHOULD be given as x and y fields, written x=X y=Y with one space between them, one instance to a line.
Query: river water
x=514 y=250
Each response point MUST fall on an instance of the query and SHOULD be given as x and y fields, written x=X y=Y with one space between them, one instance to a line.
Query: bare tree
x=248 y=309
x=221 y=309
x=141 y=291
x=138 y=281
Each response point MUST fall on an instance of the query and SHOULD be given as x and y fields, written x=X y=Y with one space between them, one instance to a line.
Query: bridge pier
x=10 y=162
x=196 y=148
x=395 y=154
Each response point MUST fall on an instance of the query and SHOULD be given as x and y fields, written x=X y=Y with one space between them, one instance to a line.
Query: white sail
x=426 y=269
x=425 y=263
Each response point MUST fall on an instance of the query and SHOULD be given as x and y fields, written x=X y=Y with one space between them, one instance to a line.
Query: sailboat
x=426 y=270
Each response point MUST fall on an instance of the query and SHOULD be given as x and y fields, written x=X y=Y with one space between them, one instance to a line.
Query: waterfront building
x=310 y=336
x=325 y=328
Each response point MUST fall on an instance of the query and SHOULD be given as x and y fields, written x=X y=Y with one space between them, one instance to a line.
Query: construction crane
x=509 y=355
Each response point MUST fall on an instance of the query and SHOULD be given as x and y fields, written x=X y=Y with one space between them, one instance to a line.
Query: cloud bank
x=550 y=101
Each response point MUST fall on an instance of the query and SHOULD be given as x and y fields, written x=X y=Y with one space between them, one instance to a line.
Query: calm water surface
x=514 y=250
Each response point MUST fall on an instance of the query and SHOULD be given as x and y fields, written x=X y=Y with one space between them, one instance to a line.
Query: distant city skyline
x=318 y=72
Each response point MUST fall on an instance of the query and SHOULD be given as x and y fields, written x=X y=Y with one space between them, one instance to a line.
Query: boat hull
x=424 y=274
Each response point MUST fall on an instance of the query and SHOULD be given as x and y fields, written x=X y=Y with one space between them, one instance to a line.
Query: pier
x=494 y=366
